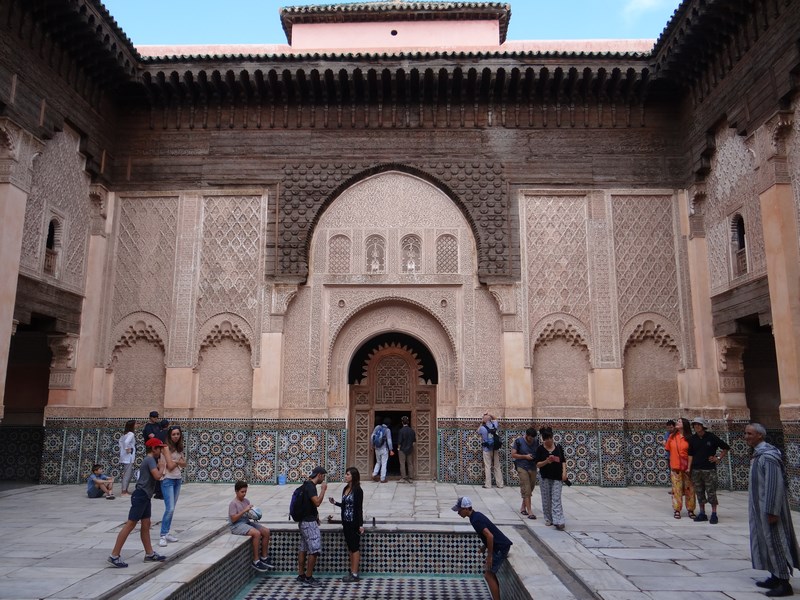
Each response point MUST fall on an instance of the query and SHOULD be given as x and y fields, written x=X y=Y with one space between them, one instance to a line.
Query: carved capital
x=697 y=207
x=18 y=149
x=98 y=199
x=506 y=298
x=730 y=363
x=282 y=296
x=62 y=366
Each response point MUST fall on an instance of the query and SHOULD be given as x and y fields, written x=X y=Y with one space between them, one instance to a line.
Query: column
x=268 y=377
x=17 y=150
x=517 y=384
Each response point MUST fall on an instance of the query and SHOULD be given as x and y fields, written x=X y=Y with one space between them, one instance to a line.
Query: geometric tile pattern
x=21 y=453
x=604 y=453
x=397 y=588
x=218 y=451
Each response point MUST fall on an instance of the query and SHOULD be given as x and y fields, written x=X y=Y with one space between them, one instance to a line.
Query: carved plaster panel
x=730 y=367
x=650 y=326
x=225 y=372
x=138 y=325
x=646 y=262
x=59 y=183
x=139 y=375
x=224 y=326
x=62 y=365
x=555 y=261
x=145 y=261
x=297 y=339
x=18 y=148
x=732 y=187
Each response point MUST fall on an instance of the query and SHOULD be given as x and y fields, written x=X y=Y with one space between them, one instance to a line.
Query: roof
x=398 y=10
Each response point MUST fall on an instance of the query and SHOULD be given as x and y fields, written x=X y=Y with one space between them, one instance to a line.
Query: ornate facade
x=280 y=246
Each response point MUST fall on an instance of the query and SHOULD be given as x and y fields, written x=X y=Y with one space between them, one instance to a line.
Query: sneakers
x=713 y=520
x=700 y=517
x=266 y=562
x=163 y=541
x=301 y=578
x=171 y=538
x=548 y=523
x=560 y=526
x=155 y=557
x=784 y=588
x=311 y=582
x=117 y=562
x=259 y=566
x=769 y=583
x=350 y=578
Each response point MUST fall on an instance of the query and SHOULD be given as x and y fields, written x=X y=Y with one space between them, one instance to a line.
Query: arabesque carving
x=137 y=326
x=649 y=329
x=560 y=328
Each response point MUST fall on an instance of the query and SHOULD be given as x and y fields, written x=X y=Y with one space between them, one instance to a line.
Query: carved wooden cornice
x=427 y=94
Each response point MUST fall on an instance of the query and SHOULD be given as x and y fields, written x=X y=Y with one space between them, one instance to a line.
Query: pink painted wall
x=334 y=36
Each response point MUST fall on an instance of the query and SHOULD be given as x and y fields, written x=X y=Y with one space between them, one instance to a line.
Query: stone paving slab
x=623 y=543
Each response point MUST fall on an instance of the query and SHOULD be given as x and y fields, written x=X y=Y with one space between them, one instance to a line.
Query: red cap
x=154 y=442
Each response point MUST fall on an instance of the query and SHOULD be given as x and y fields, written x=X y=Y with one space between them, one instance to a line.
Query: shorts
x=140 y=506
x=310 y=537
x=352 y=537
x=498 y=558
x=95 y=492
x=241 y=527
x=527 y=482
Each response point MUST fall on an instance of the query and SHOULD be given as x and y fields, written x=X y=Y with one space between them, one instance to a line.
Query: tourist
x=382 y=443
x=495 y=545
x=99 y=484
x=127 y=455
x=667 y=433
x=703 y=460
x=552 y=465
x=491 y=452
x=150 y=472
x=406 y=439
x=163 y=431
x=310 y=536
x=352 y=506
x=153 y=427
x=523 y=452
x=171 y=484
x=773 y=544
x=240 y=523
x=677 y=446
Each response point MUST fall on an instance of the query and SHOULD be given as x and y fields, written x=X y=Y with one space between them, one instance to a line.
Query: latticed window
x=446 y=254
x=376 y=254
x=739 y=245
x=339 y=254
x=52 y=248
x=411 y=254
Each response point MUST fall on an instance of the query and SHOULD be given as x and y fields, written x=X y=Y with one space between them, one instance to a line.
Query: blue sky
x=257 y=21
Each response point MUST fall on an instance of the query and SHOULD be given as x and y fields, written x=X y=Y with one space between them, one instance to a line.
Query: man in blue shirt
x=495 y=544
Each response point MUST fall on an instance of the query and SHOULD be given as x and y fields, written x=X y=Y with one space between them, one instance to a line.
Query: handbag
x=158 y=495
x=684 y=464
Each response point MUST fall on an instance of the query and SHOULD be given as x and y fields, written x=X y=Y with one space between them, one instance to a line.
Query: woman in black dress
x=352 y=506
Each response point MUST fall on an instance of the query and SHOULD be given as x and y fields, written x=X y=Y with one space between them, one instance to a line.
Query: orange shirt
x=678 y=447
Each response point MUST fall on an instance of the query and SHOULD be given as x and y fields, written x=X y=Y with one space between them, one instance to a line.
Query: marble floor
x=621 y=543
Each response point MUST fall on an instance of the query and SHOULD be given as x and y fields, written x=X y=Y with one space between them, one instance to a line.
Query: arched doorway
x=391 y=376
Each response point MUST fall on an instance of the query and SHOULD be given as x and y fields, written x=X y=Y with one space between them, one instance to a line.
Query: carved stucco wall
x=60 y=189
x=391 y=205
x=597 y=265
x=731 y=189
x=649 y=379
x=139 y=377
x=793 y=158
x=226 y=379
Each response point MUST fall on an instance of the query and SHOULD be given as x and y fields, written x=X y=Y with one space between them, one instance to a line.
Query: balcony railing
x=50 y=260
x=741 y=262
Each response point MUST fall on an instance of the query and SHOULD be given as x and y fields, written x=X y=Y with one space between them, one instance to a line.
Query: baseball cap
x=463 y=502
x=700 y=422
x=154 y=442
x=153 y=413
x=318 y=471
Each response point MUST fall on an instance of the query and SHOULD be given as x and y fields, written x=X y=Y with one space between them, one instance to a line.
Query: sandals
x=691 y=515
x=523 y=512
x=532 y=516
x=677 y=514
x=110 y=496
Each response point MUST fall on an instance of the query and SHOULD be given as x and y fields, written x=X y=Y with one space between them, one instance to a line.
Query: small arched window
x=52 y=248
x=375 y=254
x=738 y=245
x=411 y=254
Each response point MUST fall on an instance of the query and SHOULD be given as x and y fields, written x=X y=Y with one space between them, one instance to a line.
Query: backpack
x=497 y=441
x=297 y=504
x=379 y=436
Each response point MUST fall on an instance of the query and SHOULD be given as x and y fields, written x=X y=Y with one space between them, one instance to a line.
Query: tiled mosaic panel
x=791 y=440
x=21 y=453
x=606 y=453
x=288 y=588
x=386 y=552
x=217 y=451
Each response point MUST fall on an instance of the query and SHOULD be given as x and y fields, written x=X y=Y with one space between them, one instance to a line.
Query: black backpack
x=297 y=504
x=497 y=441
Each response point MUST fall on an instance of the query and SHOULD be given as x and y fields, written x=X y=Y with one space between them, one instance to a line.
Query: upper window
x=738 y=245
x=375 y=254
x=52 y=248
x=339 y=254
x=446 y=254
x=411 y=254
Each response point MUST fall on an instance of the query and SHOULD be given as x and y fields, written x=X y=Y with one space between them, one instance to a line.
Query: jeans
x=381 y=458
x=170 y=489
